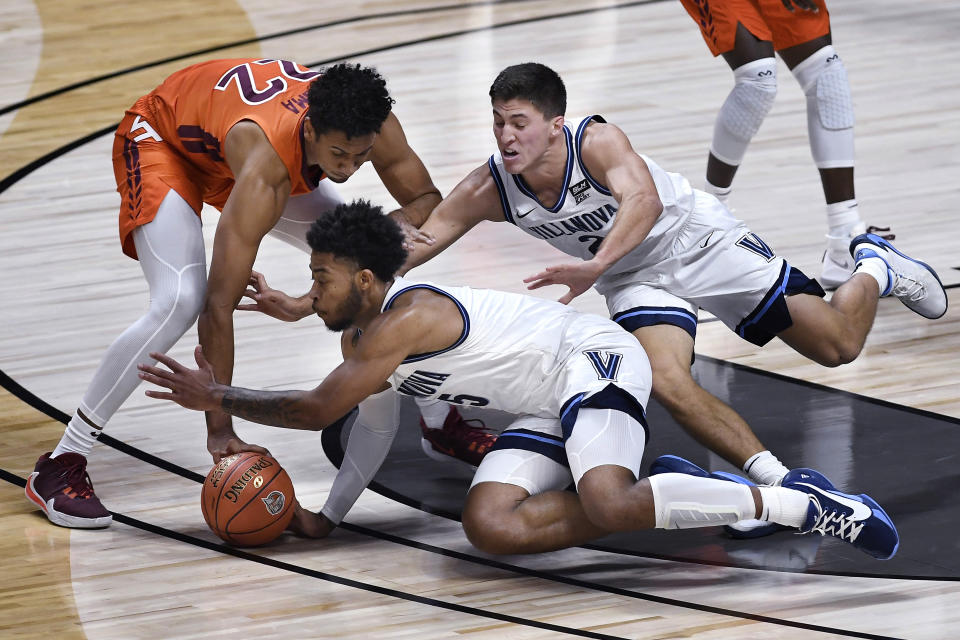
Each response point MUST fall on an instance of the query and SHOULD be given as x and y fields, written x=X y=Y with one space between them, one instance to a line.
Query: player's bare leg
x=833 y=333
x=708 y=419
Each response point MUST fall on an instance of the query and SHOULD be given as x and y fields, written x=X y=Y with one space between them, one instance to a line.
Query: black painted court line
x=329 y=577
x=289 y=32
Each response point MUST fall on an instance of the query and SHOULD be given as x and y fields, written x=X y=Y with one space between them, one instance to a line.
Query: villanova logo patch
x=751 y=242
x=607 y=365
x=579 y=191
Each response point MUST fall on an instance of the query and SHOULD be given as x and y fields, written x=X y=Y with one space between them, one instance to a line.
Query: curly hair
x=535 y=82
x=360 y=232
x=348 y=98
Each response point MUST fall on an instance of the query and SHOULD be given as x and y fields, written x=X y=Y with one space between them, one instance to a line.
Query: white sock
x=80 y=436
x=720 y=193
x=433 y=412
x=874 y=267
x=784 y=506
x=842 y=218
x=684 y=502
x=764 y=468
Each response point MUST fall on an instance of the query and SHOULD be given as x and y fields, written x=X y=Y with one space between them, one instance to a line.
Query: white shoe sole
x=62 y=519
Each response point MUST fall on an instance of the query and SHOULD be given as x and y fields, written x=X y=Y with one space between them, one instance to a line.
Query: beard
x=347 y=312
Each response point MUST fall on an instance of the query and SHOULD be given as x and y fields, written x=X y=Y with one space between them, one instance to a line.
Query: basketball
x=247 y=499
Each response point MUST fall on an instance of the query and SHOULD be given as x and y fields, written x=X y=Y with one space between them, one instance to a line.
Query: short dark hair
x=535 y=82
x=348 y=98
x=360 y=232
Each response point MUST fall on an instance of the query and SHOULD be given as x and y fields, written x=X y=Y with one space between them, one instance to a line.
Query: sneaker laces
x=473 y=430
x=835 y=524
x=78 y=479
x=883 y=232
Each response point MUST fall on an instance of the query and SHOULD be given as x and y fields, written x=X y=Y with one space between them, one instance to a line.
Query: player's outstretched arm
x=387 y=340
x=473 y=200
x=608 y=155
x=405 y=177
x=257 y=200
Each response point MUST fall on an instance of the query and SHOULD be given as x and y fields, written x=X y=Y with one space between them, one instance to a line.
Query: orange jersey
x=172 y=138
x=767 y=20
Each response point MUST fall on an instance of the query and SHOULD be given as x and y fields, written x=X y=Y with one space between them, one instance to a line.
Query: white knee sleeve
x=686 y=502
x=823 y=79
x=740 y=117
x=605 y=436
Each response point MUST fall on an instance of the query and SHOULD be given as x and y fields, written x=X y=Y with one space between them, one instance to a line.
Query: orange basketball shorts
x=766 y=19
x=146 y=168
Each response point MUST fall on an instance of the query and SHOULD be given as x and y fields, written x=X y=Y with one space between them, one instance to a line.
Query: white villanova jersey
x=586 y=209
x=521 y=354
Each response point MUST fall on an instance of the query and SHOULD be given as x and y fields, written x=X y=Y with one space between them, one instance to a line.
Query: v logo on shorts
x=606 y=365
x=752 y=242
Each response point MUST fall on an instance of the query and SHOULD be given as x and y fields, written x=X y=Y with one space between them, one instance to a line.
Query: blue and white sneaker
x=739 y=530
x=915 y=283
x=858 y=520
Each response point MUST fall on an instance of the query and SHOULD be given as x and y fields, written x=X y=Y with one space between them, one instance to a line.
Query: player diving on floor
x=578 y=383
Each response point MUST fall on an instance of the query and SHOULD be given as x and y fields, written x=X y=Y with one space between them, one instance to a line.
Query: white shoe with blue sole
x=915 y=283
x=740 y=530
x=858 y=520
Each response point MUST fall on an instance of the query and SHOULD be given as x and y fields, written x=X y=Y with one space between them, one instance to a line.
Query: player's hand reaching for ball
x=195 y=389
x=577 y=276
x=309 y=524
x=231 y=444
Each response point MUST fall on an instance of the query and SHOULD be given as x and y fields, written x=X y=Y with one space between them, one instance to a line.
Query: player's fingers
x=159 y=395
x=538 y=284
x=248 y=307
x=154 y=371
x=155 y=379
x=167 y=360
x=200 y=358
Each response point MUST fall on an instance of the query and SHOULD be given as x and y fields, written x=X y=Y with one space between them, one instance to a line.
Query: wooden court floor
x=67 y=73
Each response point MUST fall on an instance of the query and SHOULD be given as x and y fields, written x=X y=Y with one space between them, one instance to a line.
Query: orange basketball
x=247 y=499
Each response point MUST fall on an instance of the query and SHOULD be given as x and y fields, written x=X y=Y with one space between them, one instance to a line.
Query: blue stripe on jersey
x=633 y=319
x=526 y=440
x=610 y=397
x=503 y=191
x=463 y=313
x=518 y=179
x=583 y=125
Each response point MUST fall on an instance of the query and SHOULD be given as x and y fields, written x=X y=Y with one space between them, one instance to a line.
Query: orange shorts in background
x=766 y=19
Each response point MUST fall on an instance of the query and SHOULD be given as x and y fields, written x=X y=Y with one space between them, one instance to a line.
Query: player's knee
x=833 y=351
x=823 y=78
x=744 y=110
x=604 y=496
x=672 y=384
x=491 y=530
x=179 y=307
x=490 y=523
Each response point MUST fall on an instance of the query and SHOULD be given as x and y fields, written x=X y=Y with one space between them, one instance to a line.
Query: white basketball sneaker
x=915 y=283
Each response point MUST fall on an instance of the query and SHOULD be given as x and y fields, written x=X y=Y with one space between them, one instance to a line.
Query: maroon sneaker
x=458 y=439
x=61 y=487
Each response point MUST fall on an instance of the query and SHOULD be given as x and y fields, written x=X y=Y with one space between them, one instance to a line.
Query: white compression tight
x=172 y=256
x=171 y=253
